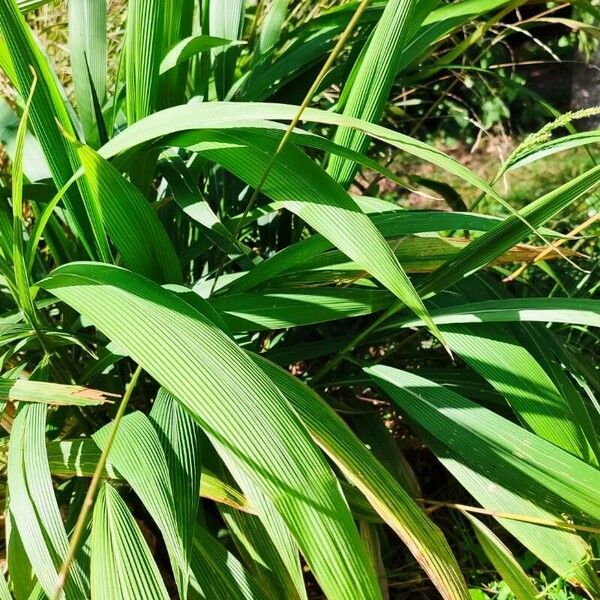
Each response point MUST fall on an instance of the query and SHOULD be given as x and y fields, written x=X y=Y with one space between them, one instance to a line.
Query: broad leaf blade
x=388 y=498
x=122 y=567
x=216 y=382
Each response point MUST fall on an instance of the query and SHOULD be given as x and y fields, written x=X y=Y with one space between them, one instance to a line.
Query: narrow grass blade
x=370 y=82
x=88 y=53
x=122 y=567
x=504 y=561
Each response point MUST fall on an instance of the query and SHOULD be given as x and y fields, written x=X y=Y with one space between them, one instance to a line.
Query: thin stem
x=91 y=493
x=556 y=523
x=286 y=136
x=549 y=249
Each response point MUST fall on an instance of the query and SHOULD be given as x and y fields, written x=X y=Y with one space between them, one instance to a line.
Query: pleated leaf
x=48 y=109
x=181 y=440
x=540 y=470
x=264 y=540
x=225 y=20
x=122 y=567
x=393 y=503
x=272 y=25
x=292 y=308
x=305 y=189
x=177 y=25
x=88 y=53
x=34 y=510
x=138 y=455
x=78 y=458
x=217 y=573
x=129 y=220
x=373 y=75
x=511 y=369
x=504 y=561
x=143 y=53
x=505 y=467
x=571 y=311
x=185 y=49
x=216 y=382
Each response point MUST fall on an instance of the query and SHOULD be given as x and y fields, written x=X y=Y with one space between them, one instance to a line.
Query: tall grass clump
x=308 y=390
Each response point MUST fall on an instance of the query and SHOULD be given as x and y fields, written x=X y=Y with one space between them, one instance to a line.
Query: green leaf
x=539 y=470
x=264 y=541
x=218 y=573
x=122 y=567
x=370 y=82
x=178 y=25
x=225 y=20
x=24 y=297
x=388 y=498
x=503 y=560
x=138 y=455
x=393 y=224
x=143 y=49
x=49 y=113
x=306 y=190
x=571 y=311
x=88 y=54
x=4 y=590
x=191 y=46
x=244 y=115
x=33 y=506
x=216 y=382
x=272 y=24
x=180 y=438
x=130 y=221
x=28 y=390
x=295 y=307
x=22 y=578
x=505 y=235
x=78 y=458
x=505 y=467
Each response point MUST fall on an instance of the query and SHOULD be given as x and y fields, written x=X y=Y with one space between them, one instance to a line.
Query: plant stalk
x=286 y=136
